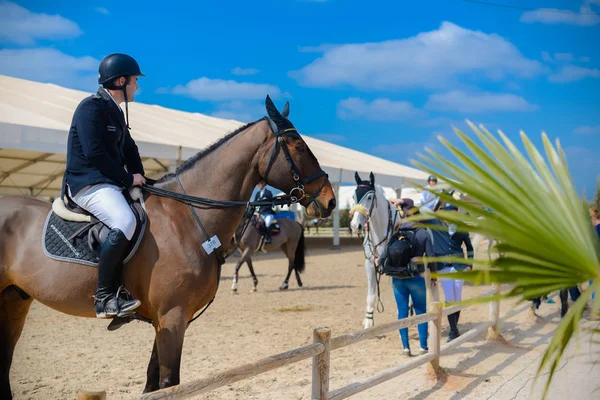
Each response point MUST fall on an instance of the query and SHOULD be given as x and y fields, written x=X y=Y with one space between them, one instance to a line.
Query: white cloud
x=244 y=71
x=546 y=56
x=584 y=158
x=480 y=102
x=564 y=57
x=317 y=49
x=241 y=111
x=514 y=86
x=21 y=26
x=430 y=59
x=573 y=73
x=50 y=65
x=584 y=59
x=585 y=16
x=588 y=130
x=561 y=57
x=101 y=10
x=219 y=90
x=402 y=152
x=377 y=110
x=328 y=137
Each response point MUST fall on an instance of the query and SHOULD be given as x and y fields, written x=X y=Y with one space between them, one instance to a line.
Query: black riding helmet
x=432 y=178
x=114 y=66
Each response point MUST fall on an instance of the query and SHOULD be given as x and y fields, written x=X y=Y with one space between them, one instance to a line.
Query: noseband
x=297 y=193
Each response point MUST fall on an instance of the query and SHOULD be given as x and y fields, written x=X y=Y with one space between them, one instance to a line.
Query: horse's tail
x=299 y=256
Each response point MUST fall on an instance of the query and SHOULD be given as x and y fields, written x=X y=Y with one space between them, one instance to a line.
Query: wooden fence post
x=91 y=395
x=320 y=370
x=436 y=336
x=493 y=331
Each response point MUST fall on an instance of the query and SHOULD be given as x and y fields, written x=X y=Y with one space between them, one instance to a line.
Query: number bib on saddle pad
x=80 y=241
x=400 y=251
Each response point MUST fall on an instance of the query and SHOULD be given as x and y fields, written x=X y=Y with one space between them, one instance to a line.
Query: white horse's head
x=365 y=195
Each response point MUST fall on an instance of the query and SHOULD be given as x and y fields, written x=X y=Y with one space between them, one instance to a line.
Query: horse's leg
x=372 y=287
x=14 y=305
x=153 y=372
x=285 y=284
x=170 y=332
x=254 y=278
x=245 y=256
x=295 y=254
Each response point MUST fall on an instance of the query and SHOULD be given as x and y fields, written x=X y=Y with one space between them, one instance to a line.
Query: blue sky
x=383 y=77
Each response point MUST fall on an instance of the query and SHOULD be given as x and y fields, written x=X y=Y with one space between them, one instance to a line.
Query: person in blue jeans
x=595 y=214
x=413 y=287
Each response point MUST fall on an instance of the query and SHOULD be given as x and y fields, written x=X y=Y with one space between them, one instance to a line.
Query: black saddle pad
x=68 y=241
x=274 y=229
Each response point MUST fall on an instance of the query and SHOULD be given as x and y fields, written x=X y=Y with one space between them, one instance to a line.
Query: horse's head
x=288 y=164
x=364 y=197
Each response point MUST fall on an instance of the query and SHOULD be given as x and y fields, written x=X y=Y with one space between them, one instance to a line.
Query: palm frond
x=545 y=239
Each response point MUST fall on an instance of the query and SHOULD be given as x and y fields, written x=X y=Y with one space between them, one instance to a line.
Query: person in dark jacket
x=449 y=243
x=415 y=286
x=266 y=212
x=98 y=150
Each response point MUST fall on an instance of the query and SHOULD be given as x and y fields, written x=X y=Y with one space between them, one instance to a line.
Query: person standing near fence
x=449 y=243
x=595 y=214
x=412 y=286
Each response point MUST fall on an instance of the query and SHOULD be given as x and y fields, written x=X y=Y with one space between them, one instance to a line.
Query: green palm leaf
x=545 y=240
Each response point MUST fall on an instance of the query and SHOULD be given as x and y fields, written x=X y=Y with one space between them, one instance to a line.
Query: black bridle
x=297 y=193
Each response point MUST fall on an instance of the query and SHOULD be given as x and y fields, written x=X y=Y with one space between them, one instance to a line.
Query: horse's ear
x=272 y=111
x=357 y=178
x=286 y=110
x=273 y=125
x=372 y=177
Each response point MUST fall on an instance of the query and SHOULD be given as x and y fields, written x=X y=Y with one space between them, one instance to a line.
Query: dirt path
x=59 y=355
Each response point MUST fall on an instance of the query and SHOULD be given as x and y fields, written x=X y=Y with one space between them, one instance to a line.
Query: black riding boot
x=268 y=234
x=106 y=302
x=453 y=321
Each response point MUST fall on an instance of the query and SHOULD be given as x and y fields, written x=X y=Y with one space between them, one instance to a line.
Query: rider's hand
x=138 y=180
x=377 y=261
x=396 y=202
x=433 y=282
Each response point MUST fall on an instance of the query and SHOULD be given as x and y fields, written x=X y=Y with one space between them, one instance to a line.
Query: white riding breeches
x=268 y=219
x=107 y=203
x=452 y=287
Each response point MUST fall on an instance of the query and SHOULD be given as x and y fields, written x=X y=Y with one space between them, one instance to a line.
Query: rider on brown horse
x=99 y=147
x=267 y=213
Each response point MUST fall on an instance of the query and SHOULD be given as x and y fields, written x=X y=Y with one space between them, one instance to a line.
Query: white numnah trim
x=135 y=193
x=59 y=208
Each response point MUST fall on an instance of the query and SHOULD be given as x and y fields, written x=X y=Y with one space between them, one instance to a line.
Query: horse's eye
x=301 y=148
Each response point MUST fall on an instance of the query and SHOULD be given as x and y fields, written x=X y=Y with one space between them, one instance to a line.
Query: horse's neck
x=379 y=219
x=229 y=172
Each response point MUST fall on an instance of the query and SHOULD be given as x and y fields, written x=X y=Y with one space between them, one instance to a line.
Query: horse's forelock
x=360 y=209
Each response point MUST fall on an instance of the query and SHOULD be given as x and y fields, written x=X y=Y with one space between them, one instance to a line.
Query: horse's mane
x=190 y=162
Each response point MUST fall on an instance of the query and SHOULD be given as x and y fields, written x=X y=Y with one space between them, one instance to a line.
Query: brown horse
x=171 y=274
x=290 y=239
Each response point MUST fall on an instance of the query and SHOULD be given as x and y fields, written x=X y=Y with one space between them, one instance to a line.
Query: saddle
x=73 y=234
x=259 y=224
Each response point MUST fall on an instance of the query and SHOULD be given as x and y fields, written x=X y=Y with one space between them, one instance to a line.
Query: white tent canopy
x=35 y=119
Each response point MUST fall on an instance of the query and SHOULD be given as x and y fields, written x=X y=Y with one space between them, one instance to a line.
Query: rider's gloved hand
x=138 y=180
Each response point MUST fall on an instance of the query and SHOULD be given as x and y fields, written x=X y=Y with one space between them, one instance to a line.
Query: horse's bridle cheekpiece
x=297 y=193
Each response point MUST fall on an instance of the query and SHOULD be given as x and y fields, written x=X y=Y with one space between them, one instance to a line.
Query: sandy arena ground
x=59 y=355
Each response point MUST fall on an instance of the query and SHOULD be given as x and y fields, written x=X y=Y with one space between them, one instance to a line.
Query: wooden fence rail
x=323 y=344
